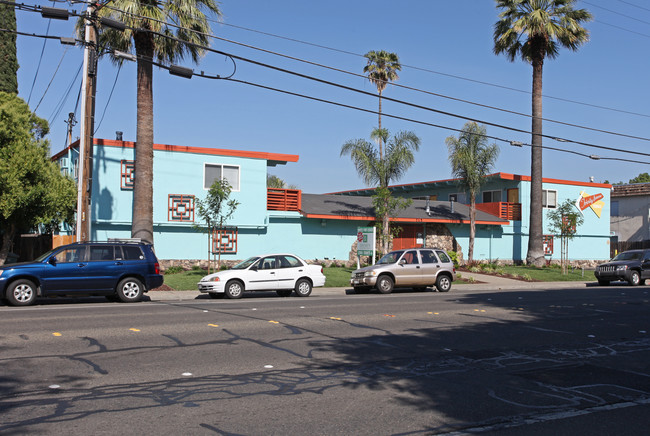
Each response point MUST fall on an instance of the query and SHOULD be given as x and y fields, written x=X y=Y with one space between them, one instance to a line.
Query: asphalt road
x=534 y=361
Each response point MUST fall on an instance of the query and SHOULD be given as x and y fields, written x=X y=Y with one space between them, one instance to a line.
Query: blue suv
x=119 y=270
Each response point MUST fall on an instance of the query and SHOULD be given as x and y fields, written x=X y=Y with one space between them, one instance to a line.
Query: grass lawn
x=187 y=280
x=547 y=274
x=340 y=277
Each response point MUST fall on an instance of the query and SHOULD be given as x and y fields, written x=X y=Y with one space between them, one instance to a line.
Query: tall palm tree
x=471 y=158
x=382 y=68
x=378 y=171
x=149 y=22
x=535 y=30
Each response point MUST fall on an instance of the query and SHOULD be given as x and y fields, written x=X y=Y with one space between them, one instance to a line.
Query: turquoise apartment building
x=319 y=227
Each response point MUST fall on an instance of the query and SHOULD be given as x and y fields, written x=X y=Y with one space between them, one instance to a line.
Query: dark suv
x=632 y=266
x=118 y=270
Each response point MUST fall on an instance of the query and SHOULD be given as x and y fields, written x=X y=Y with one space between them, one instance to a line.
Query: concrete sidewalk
x=484 y=282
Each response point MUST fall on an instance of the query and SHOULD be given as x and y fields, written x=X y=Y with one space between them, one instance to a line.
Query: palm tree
x=378 y=171
x=382 y=68
x=535 y=30
x=149 y=23
x=471 y=158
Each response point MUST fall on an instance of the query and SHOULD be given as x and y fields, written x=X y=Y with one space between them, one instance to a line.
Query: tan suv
x=415 y=268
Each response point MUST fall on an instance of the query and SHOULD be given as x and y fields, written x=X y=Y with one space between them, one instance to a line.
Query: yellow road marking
x=332 y=317
x=134 y=330
x=275 y=322
x=213 y=325
x=56 y=334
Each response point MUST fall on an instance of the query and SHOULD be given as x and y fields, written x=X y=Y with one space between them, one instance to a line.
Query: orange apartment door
x=406 y=238
x=513 y=195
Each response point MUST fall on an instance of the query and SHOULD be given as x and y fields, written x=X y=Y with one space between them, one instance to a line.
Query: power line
x=109 y=99
x=496 y=138
x=389 y=98
x=616 y=12
x=453 y=76
x=636 y=6
x=386 y=98
x=392 y=84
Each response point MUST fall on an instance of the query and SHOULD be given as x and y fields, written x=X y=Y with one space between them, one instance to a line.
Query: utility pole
x=84 y=181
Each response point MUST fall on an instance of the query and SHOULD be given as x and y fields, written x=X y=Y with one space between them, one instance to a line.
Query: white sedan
x=283 y=273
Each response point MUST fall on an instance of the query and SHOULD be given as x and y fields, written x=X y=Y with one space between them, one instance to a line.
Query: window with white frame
x=491 y=196
x=549 y=198
x=212 y=172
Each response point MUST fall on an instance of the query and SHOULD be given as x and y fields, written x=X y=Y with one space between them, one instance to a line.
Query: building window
x=458 y=197
x=180 y=207
x=212 y=172
x=491 y=196
x=549 y=198
x=127 y=174
x=614 y=208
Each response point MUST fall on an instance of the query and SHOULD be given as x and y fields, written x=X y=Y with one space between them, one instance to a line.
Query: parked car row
x=125 y=270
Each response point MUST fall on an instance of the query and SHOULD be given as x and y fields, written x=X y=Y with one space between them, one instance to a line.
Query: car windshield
x=245 y=264
x=43 y=256
x=390 y=258
x=629 y=255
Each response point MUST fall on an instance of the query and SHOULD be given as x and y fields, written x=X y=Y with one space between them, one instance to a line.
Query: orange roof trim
x=403 y=220
x=187 y=149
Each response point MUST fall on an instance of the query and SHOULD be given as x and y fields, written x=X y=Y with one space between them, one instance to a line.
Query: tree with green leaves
x=153 y=36
x=216 y=209
x=33 y=192
x=471 y=159
x=375 y=171
x=641 y=178
x=277 y=183
x=382 y=68
x=8 y=58
x=536 y=30
x=564 y=222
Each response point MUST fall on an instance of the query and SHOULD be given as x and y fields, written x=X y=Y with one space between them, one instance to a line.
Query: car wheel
x=284 y=292
x=443 y=283
x=360 y=290
x=303 y=288
x=234 y=289
x=635 y=278
x=385 y=284
x=215 y=295
x=603 y=282
x=21 y=293
x=130 y=290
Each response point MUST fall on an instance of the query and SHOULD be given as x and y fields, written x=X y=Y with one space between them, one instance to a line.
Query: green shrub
x=454 y=257
x=527 y=277
x=174 y=270
x=197 y=268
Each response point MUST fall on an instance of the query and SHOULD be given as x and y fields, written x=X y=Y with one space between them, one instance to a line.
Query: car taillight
x=321 y=270
x=156 y=268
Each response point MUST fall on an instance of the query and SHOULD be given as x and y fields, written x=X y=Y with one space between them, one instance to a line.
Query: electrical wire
x=397 y=85
x=619 y=150
x=52 y=79
x=425 y=123
x=109 y=99
x=616 y=12
x=632 y=4
x=40 y=59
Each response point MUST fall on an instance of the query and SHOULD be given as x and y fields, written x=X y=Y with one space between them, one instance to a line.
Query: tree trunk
x=381 y=149
x=142 y=225
x=535 y=254
x=472 y=227
x=386 y=229
x=7 y=237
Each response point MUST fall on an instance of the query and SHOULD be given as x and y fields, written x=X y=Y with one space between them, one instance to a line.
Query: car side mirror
x=402 y=262
x=52 y=260
x=253 y=268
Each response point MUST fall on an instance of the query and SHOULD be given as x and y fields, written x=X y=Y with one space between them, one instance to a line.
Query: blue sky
x=445 y=48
